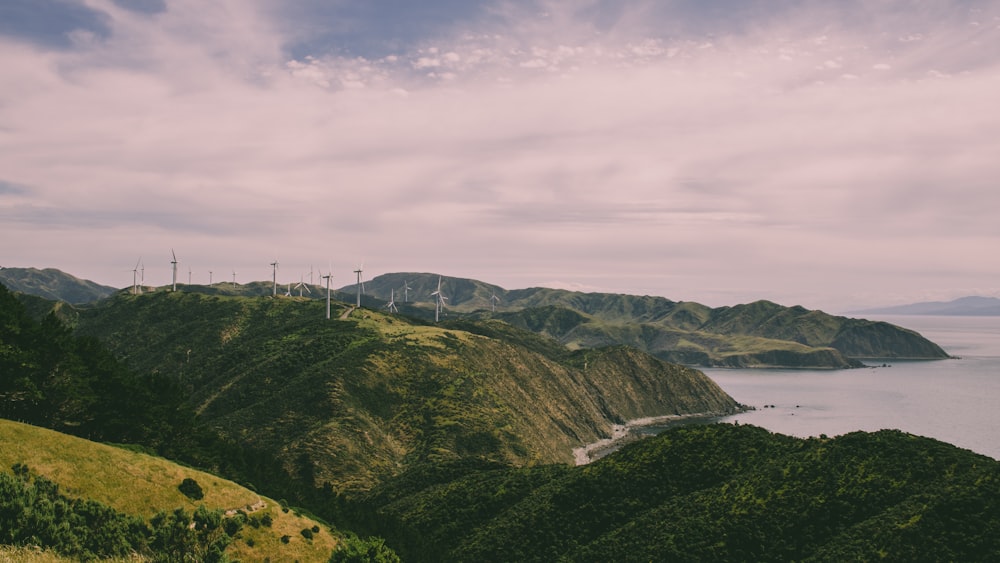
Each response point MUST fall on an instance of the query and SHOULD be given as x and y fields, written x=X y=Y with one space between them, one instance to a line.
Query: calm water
x=956 y=401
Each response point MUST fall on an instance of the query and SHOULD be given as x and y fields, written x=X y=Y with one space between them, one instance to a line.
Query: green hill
x=759 y=334
x=139 y=485
x=53 y=285
x=709 y=493
x=352 y=401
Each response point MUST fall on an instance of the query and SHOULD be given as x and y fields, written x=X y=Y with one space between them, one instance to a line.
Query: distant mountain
x=963 y=306
x=759 y=334
x=53 y=285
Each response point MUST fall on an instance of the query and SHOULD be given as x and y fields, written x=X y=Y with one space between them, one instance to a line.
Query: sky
x=835 y=155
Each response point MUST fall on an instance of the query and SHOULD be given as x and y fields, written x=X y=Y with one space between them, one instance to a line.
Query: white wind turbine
x=391 y=305
x=327 y=278
x=361 y=286
x=189 y=275
x=135 y=274
x=439 y=305
x=274 y=277
x=210 y=277
x=302 y=283
x=234 y=279
x=173 y=263
x=142 y=275
x=493 y=302
x=288 y=290
x=406 y=291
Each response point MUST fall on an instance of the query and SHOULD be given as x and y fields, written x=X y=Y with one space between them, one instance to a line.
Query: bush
x=307 y=533
x=191 y=489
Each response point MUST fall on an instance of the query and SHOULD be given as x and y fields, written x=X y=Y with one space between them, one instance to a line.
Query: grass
x=142 y=485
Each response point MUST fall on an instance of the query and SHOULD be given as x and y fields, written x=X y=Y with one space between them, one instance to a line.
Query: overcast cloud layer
x=831 y=156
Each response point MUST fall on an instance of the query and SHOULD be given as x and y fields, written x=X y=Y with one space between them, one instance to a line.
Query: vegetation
x=352 y=402
x=711 y=492
x=142 y=488
x=758 y=334
x=444 y=441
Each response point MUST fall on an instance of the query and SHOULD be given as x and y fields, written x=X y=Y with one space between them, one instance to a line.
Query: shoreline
x=631 y=431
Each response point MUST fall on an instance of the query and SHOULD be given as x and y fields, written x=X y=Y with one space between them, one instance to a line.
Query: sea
x=954 y=400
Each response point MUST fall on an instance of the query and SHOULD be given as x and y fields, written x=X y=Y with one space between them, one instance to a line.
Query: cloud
x=521 y=143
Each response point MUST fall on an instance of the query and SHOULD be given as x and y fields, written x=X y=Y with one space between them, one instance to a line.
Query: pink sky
x=833 y=159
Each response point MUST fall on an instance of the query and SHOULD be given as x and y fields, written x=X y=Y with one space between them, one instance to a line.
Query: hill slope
x=53 y=285
x=141 y=485
x=351 y=401
x=759 y=334
x=712 y=493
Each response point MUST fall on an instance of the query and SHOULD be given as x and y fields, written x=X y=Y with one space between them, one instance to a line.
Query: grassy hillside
x=351 y=401
x=141 y=485
x=711 y=493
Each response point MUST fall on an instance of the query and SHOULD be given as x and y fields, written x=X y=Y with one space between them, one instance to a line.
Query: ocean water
x=955 y=400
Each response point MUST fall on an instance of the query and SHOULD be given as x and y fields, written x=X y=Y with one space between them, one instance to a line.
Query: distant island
x=964 y=306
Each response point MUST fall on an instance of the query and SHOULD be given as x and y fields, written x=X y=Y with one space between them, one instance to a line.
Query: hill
x=759 y=334
x=963 y=306
x=141 y=486
x=709 y=493
x=53 y=285
x=349 y=402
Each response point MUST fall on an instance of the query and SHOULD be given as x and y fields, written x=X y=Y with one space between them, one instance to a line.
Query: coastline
x=631 y=431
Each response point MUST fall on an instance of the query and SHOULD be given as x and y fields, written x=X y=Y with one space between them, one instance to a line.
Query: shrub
x=307 y=533
x=191 y=489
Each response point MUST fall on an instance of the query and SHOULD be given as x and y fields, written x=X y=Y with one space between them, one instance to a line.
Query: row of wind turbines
x=139 y=274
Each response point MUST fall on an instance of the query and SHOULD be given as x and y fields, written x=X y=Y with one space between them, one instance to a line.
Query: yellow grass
x=142 y=485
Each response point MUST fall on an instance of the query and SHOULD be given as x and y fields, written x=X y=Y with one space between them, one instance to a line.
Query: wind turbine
x=234 y=279
x=391 y=305
x=361 y=286
x=142 y=275
x=210 y=277
x=327 y=278
x=493 y=302
x=288 y=290
x=302 y=283
x=135 y=272
x=189 y=275
x=440 y=301
x=274 y=276
x=311 y=274
x=406 y=291
x=174 y=264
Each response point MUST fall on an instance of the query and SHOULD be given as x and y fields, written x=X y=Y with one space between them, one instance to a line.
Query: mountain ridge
x=757 y=334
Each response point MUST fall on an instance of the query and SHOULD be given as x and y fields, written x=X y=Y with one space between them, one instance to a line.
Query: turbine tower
x=142 y=275
x=189 y=275
x=361 y=286
x=234 y=279
x=327 y=278
x=493 y=302
x=406 y=291
x=274 y=276
x=440 y=301
x=391 y=305
x=210 y=277
x=174 y=264
x=135 y=273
